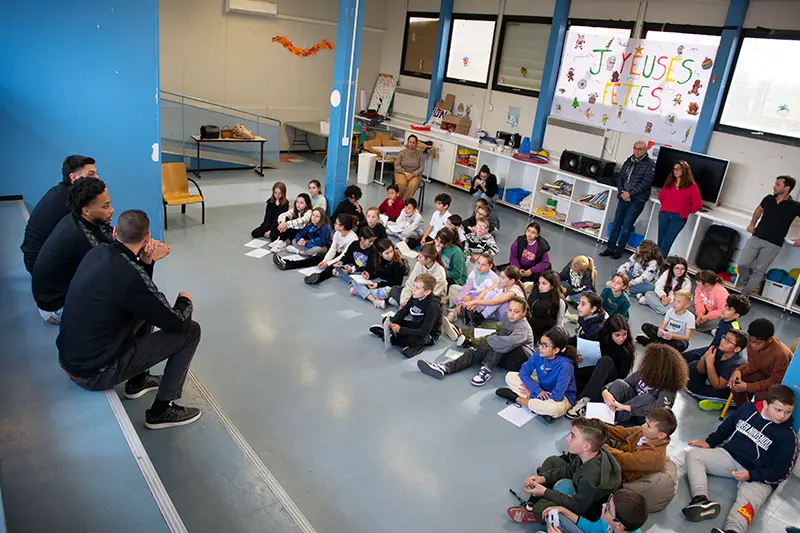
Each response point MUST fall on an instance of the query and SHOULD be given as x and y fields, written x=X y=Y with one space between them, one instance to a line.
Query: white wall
x=230 y=59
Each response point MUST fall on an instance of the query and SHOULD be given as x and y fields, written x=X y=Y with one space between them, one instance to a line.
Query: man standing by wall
x=633 y=183
x=777 y=212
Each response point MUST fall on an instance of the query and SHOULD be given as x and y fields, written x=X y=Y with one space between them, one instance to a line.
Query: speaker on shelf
x=586 y=165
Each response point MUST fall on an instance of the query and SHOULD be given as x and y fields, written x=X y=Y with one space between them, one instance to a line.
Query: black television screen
x=709 y=172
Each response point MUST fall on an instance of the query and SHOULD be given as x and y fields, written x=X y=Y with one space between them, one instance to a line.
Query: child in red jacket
x=392 y=206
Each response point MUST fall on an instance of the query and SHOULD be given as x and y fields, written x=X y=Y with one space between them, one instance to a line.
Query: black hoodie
x=543 y=316
x=418 y=318
x=44 y=218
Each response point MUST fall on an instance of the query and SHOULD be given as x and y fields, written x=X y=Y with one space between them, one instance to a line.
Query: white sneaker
x=483 y=375
x=449 y=329
x=579 y=409
x=461 y=340
x=278 y=246
x=641 y=299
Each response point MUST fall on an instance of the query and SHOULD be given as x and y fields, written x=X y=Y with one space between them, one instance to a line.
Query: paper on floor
x=310 y=270
x=257 y=253
x=256 y=243
x=358 y=278
x=482 y=332
x=600 y=411
x=517 y=414
x=406 y=251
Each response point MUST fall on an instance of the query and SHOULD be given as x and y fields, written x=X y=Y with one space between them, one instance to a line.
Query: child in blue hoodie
x=756 y=446
x=625 y=512
x=546 y=382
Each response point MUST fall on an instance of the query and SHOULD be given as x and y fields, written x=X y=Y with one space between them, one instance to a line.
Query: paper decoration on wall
x=383 y=94
x=302 y=52
x=523 y=71
x=634 y=85
x=512 y=118
x=783 y=110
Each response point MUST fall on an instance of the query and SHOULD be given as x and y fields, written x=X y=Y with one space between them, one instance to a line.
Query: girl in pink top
x=709 y=300
x=679 y=198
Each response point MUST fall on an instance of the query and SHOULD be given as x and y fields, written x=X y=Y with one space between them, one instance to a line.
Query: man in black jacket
x=106 y=327
x=86 y=226
x=53 y=206
x=633 y=185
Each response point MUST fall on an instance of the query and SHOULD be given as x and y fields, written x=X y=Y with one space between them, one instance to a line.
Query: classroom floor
x=360 y=440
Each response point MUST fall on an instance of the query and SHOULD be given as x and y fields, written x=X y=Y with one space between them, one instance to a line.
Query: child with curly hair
x=642 y=268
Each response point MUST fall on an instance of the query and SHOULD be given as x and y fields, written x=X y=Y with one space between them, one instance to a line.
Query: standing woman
x=484 y=185
x=276 y=205
x=679 y=198
x=408 y=167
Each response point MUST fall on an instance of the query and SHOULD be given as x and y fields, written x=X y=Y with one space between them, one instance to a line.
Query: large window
x=763 y=94
x=470 y=50
x=682 y=34
x=521 y=55
x=419 y=44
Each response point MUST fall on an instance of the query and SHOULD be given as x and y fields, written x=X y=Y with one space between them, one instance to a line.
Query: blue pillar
x=720 y=74
x=440 y=59
x=792 y=380
x=555 y=46
x=345 y=71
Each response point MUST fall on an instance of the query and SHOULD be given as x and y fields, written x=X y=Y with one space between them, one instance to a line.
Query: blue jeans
x=641 y=288
x=381 y=293
x=624 y=219
x=573 y=297
x=669 y=226
x=567 y=526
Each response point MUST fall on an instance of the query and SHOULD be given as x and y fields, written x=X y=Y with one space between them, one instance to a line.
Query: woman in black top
x=546 y=303
x=276 y=205
x=484 y=185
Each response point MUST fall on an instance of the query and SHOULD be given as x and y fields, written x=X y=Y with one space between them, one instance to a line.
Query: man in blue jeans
x=633 y=183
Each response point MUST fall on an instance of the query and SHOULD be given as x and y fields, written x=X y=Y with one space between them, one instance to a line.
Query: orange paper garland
x=303 y=52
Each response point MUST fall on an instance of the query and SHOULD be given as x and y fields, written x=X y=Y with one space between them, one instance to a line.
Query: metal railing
x=182 y=116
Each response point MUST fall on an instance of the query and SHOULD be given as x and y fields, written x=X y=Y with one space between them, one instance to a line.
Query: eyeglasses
x=543 y=344
x=729 y=340
x=678 y=168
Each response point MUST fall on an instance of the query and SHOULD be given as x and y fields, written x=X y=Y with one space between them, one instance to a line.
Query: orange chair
x=175 y=189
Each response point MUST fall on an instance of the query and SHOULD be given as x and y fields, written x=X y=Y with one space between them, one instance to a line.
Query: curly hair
x=83 y=192
x=648 y=251
x=662 y=367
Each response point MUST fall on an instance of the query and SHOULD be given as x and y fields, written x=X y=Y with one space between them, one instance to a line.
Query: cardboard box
x=447 y=103
x=456 y=124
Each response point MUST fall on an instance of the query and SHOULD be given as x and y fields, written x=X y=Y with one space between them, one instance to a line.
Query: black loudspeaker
x=586 y=165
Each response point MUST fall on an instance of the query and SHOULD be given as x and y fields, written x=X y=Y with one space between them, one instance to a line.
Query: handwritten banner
x=654 y=88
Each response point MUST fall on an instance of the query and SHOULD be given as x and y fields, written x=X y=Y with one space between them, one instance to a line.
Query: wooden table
x=385 y=152
x=259 y=169
x=309 y=128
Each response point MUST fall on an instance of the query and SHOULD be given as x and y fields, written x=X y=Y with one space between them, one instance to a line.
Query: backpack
x=717 y=248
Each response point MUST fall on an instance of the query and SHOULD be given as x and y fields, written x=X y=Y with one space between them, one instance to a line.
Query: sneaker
x=521 y=515
x=278 y=246
x=449 y=329
x=433 y=370
x=616 y=255
x=643 y=339
x=641 y=299
x=278 y=261
x=150 y=383
x=483 y=375
x=710 y=405
x=311 y=279
x=461 y=340
x=701 y=508
x=713 y=332
x=474 y=317
x=508 y=394
x=607 y=253
x=173 y=416
x=579 y=409
x=547 y=418
x=412 y=351
x=379 y=304
x=377 y=330
x=452 y=316
x=720 y=530
x=393 y=302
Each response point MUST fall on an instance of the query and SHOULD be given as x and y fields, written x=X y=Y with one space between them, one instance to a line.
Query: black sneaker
x=643 y=339
x=376 y=330
x=508 y=394
x=607 y=253
x=278 y=261
x=616 y=255
x=311 y=279
x=412 y=351
x=547 y=418
x=433 y=370
x=173 y=416
x=150 y=383
x=700 y=509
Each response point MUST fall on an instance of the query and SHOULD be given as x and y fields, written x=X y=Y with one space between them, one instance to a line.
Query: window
x=683 y=34
x=617 y=28
x=419 y=44
x=521 y=55
x=470 y=50
x=763 y=94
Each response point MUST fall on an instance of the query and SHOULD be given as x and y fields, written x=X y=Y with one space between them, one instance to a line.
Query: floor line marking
x=253 y=457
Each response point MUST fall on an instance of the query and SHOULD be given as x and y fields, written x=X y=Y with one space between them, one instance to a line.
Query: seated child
x=409 y=224
x=455 y=262
x=493 y=300
x=358 y=258
x=710 y=297
x=674 y=279
x=615 y=297
x=428 y=262
x=529 y=253
x=342 y=238
x=626 y=511
x=767 y=361
x=419 y=322
x=290 y=222
x=580 y=482
x=509 y=348
x=317 y=198
x=373 y=222
x=480 y=242
x=546 y=382
x=392 y=205
x=642 y=450
x=643 y=268
x=547 y=303
x=438 y=218
x=388 y=272
x=756 y=446
x=661 y=374
x=482 y=212
x=736 y=306
x=455 y=223
x=276 y=204
x=350 y=205
x=478 y=280
x=709 y=376
x=578 y=277
x=677 y=326
x=313 y=240
x=591 y=316
x=484 y=185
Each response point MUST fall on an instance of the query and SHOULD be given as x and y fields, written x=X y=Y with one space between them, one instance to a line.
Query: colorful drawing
x=302 y=52
x=604 y=119
x=582 y=84
x=648 y=127
x=460 y=108
x=678 y=100
x=593 y=98
x=465 y=59
x=783 y=110
x=615 y=77
x=561 y=91
x=523 y=71
x=579 y=42
x=575 y=103
x=707 y=63
x=620 y=110
x=694 y=109
x=639 y=49
x=558 y=108
x=671 y=118
x=686 y=135
x=610 y=63
x=695 y=88
x=571 y=74
x=588 y=113
x=681 y=48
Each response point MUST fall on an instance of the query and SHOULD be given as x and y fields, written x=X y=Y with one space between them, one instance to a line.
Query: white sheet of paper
x=358 y=278
x=257 y=253
x=292 y=249
x=590 y=350
x=600 y=411
x=519 y=415
x=387 y=336
x=256 y=243
x=293 y=257
x=310 y=270
x=406 y=251
x=394 y=227
x=482 y=332
x=384 y=219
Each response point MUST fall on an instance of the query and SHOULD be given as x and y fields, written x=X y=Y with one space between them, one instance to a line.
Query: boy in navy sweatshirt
x=756 y=446
x=418 y=323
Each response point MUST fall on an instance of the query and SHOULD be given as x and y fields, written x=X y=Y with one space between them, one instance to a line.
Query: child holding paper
x=578 y=277
x=625 y=512
x=409 y=225
x=438 y=219
x=677 y=326
x=392 y=205
x=343 y=226
x=311 y=241
x=389 y=271
x=359 y=257
x=290 y=222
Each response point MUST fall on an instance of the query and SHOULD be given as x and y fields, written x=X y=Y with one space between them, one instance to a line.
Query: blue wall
x=81 y=76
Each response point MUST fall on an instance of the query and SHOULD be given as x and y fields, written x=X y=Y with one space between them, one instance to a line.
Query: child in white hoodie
x=428 y=262
x=409 y=225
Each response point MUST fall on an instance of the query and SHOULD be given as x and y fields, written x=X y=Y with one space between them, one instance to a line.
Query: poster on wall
x=652 y=88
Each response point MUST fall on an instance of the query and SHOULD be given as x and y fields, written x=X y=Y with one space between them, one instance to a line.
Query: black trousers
x=698 y=385
x=651 y=330
x=287 y=235
x=590 y=380
x=303 y=263
x=512 y=360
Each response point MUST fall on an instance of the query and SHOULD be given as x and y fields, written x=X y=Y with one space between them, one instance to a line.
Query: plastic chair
x=175 y=189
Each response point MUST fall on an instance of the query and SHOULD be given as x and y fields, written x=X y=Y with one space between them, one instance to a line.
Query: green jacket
x=594 y=482
x=455 y=263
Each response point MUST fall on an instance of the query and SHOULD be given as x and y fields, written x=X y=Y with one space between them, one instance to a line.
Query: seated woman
x=313 y=240
x=389 y=271
x=276 y=205
x=291 y=222
x=529 y=253
x=661 y=374
x=409 y=165
x=616 y=345
x=484 y=185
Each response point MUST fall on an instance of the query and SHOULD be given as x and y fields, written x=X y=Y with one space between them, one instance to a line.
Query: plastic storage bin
x=633 y=241
x=777 y=292
x=516 y=195
x=366 y=167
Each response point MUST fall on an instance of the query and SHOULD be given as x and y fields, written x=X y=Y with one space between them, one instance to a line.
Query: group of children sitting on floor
x=523 y=304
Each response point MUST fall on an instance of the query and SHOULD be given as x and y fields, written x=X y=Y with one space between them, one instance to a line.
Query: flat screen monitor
x=709 y=172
